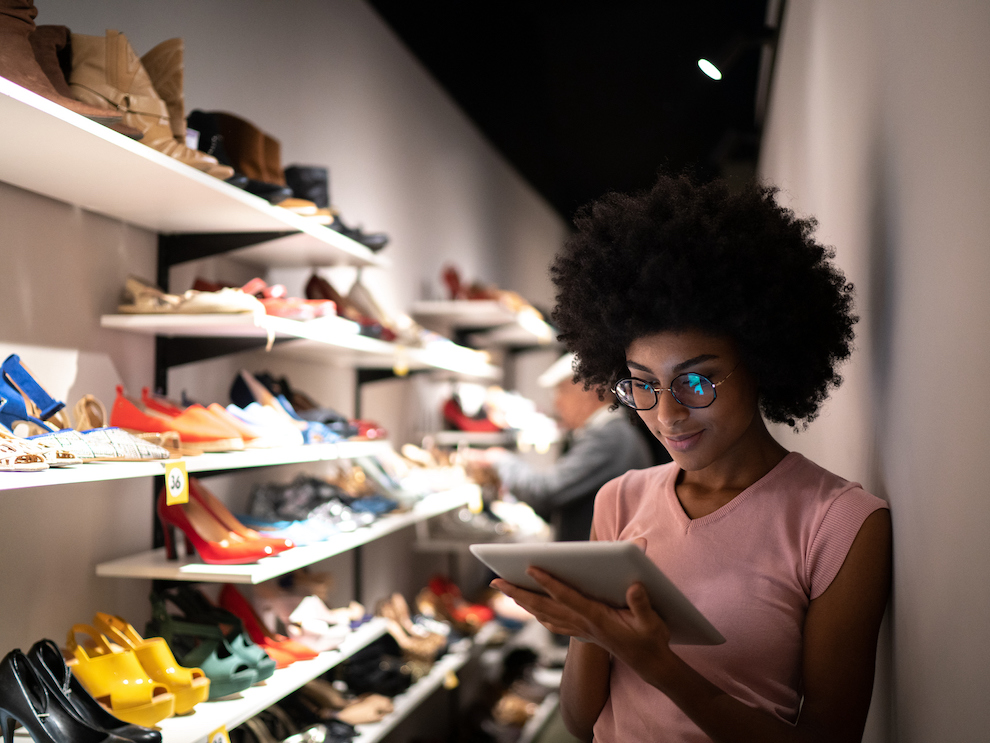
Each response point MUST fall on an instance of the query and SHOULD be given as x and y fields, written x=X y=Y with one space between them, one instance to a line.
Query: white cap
x=561 y=369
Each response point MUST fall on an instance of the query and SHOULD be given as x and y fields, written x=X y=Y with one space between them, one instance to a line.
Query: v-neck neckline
x=687 y=523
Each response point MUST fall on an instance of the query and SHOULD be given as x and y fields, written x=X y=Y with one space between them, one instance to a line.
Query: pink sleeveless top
x=751 y=568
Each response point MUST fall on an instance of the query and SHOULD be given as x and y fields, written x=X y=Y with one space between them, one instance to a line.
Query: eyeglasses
x=690 y=390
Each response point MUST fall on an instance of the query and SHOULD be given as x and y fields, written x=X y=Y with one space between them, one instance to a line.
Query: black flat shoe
x=46 y=715
x=48 y=664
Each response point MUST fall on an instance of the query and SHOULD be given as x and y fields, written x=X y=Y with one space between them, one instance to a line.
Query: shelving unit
x=155 y=565
x=96 y=169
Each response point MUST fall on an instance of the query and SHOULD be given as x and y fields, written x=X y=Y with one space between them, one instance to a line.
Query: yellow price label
x=176 y=486
x=219 y=735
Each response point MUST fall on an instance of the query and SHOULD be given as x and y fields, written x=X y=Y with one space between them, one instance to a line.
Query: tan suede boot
x=245 y=145
x=164 y=66
x=49 y=44
x=105 y=69
x=18 y=64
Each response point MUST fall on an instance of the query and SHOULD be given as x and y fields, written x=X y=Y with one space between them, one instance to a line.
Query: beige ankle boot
x=106 y=70
x=166 y=70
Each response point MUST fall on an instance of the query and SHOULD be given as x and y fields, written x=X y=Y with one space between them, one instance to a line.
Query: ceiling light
x=717 y=66
x=709 y=69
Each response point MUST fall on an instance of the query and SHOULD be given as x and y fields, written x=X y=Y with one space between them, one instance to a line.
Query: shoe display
x=107 y=73
x=116 y=679
x=189 y=685
x=19 y=64
x=50 y=667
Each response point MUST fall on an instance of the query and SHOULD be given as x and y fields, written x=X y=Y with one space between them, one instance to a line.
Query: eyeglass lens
x=691 y=390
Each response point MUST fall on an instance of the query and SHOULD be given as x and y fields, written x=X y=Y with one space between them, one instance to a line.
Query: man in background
x=600 y=445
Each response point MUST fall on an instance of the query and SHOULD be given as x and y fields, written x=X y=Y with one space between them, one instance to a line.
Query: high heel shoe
x=284 y=650
x=214 y=542
x=116 y=679
x=189 y=685
x=220 y=511
x=50 y=667
x=46 y=715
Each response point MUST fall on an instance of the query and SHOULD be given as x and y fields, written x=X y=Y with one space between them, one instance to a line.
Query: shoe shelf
x=406 y=702
x=211 y=462
x=472 y=438
x=327 y=340
x=93 y=167
x=156 y=566
x=495 y=325
x=232 y=711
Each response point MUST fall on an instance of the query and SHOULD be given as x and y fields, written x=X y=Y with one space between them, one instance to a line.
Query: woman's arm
x=840 y=637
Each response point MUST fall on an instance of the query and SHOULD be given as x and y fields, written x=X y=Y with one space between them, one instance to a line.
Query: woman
x=709 y=312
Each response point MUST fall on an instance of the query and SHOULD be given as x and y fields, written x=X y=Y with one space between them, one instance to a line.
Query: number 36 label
x=177 y=491
x=219 y=735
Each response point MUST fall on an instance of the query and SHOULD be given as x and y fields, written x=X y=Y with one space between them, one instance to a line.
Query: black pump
x=46 y=715
x=48 y=664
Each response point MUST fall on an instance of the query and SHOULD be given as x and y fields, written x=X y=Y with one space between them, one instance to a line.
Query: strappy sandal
x=116 y=678
x=189 y=685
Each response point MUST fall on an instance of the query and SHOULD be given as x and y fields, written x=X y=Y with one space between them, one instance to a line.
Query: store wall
x=878 y=127
x=331 y=81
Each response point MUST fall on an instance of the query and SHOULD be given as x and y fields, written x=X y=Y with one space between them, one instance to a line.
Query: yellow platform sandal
x=117 y=680
x=190 y=686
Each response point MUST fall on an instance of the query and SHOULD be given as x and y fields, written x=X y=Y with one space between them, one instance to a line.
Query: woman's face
x=698 y=438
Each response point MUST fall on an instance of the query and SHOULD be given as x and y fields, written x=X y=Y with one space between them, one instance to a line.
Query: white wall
x=332 y=82
x=878 y=126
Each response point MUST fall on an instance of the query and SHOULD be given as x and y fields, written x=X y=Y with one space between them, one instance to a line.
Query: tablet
x=602 y=571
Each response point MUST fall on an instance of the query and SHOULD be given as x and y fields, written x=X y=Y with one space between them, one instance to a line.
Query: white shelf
x=498 y=325
x=472 y=438
x=232 y=711
x=154 y=565
x=93 y=167
x=406 y=702
x=211 y=462
x=458 y=314
x=329 y=339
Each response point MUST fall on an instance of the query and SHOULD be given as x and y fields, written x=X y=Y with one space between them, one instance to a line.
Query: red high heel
x=279 y=647
x=216 y=507
x=214 y=542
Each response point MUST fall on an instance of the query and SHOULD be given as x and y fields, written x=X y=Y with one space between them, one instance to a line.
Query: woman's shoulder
x=810 y=481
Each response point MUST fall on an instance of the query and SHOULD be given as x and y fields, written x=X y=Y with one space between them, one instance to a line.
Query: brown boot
x=245 y=145
x=51 y=51
x=165 y=67
x=18 y=63
x=105 y=69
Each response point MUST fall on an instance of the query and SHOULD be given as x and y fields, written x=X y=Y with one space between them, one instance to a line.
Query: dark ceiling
x=583 y=98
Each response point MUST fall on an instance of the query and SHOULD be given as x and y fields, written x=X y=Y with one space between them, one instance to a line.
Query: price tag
x=219 y=735
x=177 y=487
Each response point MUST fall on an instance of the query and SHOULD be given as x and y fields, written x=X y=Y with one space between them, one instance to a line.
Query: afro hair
x=701 y=257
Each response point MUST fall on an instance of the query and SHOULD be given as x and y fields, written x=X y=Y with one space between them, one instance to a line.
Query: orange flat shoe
x=198 y=430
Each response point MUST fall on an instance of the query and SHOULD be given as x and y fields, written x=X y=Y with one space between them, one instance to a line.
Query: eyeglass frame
x=659 y=391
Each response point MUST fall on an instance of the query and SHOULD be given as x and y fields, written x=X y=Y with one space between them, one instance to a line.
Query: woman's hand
x=637 y=635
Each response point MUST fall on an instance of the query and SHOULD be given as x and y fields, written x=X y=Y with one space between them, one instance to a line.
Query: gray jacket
x=606 y=446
